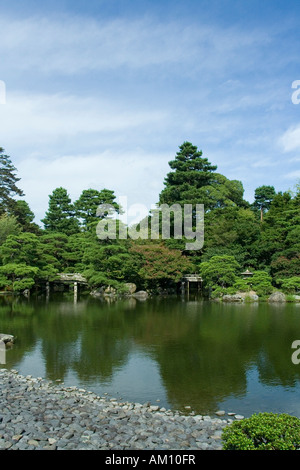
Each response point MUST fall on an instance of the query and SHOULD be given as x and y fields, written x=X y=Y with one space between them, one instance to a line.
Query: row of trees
x=263 y=236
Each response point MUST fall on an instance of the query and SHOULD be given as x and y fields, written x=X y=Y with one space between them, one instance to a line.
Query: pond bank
x=36 y=414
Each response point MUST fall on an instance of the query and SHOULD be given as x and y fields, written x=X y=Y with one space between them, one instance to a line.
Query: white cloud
x=128 y=174
x=264 y=163
x=66 y=45
x=136 y=90
x=294 y=175
x=81 y=142
x=44 y=120
x=290 y=140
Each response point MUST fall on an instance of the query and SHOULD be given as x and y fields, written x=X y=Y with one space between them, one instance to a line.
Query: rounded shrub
x=263 y=431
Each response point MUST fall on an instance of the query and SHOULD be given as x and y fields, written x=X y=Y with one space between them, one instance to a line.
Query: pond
x=178 y=353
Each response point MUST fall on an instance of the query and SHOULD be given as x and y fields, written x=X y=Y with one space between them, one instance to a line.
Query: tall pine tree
x=8 y=184
x=89 y=201
x=194 y=181
x=263 y=198
x=61 y=214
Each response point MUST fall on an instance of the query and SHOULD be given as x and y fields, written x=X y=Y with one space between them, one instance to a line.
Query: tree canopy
x=8 y=183
x=263 y=236
x=194 y=181
x=61 y=213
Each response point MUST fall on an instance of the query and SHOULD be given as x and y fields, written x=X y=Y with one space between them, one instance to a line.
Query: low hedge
x=263 y=431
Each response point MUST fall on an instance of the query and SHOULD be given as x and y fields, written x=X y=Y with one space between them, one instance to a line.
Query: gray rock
x=241 y=297
x=131 y=288
x=64 y=418
x=141 y=295
x=250 y=297
x=232 y=298
x=277 y=297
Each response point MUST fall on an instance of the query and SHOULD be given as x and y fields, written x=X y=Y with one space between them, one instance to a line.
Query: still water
x=173 y=352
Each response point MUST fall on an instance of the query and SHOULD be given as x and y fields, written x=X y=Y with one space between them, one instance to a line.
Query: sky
x=101 y=94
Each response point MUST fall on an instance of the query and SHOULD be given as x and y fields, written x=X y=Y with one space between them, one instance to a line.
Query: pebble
x=36 y=414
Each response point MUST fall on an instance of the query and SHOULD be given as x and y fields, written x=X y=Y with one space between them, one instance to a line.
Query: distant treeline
x=263 y=237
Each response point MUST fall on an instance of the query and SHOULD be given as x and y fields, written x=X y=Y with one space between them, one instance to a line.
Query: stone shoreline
x=36 y=414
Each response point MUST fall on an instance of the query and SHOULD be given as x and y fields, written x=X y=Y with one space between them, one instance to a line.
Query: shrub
x=242 y=285
x=261 y=283
x=218 y=292
x=219 y=271
x=263 y=431
x=291 y=284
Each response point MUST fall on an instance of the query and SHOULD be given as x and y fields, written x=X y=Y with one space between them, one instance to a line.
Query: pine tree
x=191 y=172
x=194 y=181
x=8 y=184
x=263 y=197
x=89 y=201
x=25 y=217
x=61 y=214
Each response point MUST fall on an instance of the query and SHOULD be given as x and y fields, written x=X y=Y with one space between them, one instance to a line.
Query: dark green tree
x=18 y=276
x=21 y=249
x=52 y=249
x=279 y=233
x=61 y=213
x=89 y=201
x=194 y=181
x=219 y=273
x=107 y=263
x=8 y=183
x=25 y=217
x=263 y=197
x=234 y=231
x=8 y=226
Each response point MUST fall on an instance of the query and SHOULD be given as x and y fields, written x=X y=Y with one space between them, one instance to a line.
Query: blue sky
x=100 y=94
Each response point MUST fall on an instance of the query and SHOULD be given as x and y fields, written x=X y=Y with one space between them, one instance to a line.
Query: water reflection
x=185 y=353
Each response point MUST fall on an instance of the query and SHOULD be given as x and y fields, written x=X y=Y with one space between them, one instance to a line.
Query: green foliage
x=263 y=197
x=231 y=231
x=19 y=276
x=22 y=248
x=218 y=291
x=25 y=216
x=242 y=285
x=285 y=266
x=235 y=237
x=219 y=272
x=263 y=431
x=193 y=181
x=261 y=283
x=159 y=264
x=89 y=201
x=291 y=285
x=8 y=226
x=280 y=220
x=61 y=213
x=8 y=183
